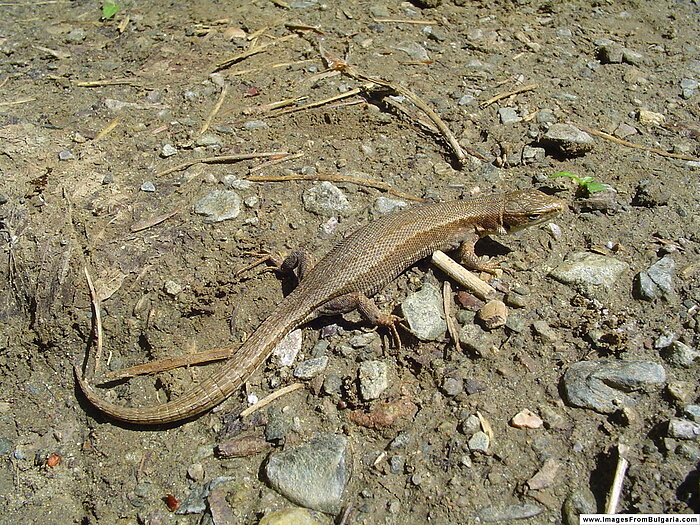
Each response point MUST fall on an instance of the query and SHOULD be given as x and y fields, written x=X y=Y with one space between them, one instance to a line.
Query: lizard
x=354 y=270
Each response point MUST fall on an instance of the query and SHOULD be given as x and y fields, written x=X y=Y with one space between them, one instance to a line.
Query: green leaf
x=564 y=174
x=595 y=187
x=109 y=9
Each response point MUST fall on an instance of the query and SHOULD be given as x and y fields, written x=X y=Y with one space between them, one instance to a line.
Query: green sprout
x=586 y=185
x=109 y=9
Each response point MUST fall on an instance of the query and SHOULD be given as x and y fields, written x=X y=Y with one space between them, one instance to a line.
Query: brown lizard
x=355 y=269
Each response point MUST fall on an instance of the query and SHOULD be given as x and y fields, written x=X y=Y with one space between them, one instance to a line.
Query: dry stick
x=250 y=52
x=401 y=21
x=449 y=319
x=222 y=159
x=616 y=489
x=214 y=111
x=168 y=363
x=109 y=128
x=371 y=183
x=269 y=399
x=274 y=162
x=529 y=87
x=113 y=82
x=273 y=66
x=463 y=276
x=638 y=146
x=318 y=103
x=15 y=102
x=148 y=223
x=96 y=318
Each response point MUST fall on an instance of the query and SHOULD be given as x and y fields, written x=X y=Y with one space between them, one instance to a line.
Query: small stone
x=168 y=150
x=532 y=155
x=374 y=379
x=493 y=314
x=311 y=367
x=476 y=340
x=610 y=52
x=568 y=139
x=172 y=288
x=325 y=199
x=232 y=182
x=453 y=386
x=414 y=50
x=526 y=419
x=252 y=125
x=651 y=119
x=546 y=476
x=397 y=464
x=423 y=310
x=681 y=355
x=692 y=412
x=295 y=516
x=545 y=332
x=632 y=57
x=75 y=36
x=508 y=513
x=148 y=186
x=219 y=205
x=65 y=155
x=590 y=273
x=479 y=442
x=624 y=130
x=656 y=281
x=683 y=429
x=208 y=140
x=581 y=501
x=288 y=348
x=681 y=391
x=509 y=115
x=383 y=205
x=195 y=472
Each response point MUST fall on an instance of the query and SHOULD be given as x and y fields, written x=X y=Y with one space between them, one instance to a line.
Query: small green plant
x=586 y=185
x=109 y=9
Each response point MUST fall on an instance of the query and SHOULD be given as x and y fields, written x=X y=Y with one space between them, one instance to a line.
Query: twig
x=214 y=111
x=96 y=318
x=449 y=319
x=274 y=162
x=403 y=21
x=272 y=66
x=222 y=159
x=616 y=489
x=20 y=101
x=529 y=87
x=335 y=178
x=269 y=399
x=108 y=129
x=629 y=144
x=318 y=103
x=463 y=276
x=148 y=223
x=168 y=363
x=250 y=52
x=113 y=82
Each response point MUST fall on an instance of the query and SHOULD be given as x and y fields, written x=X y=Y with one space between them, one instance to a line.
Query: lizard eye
x=534 y=216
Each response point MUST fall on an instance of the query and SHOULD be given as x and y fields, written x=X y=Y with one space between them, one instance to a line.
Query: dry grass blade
x=269 y=399
x=16 y=102
x=96 y=319
x=449 y=318
x=148 y=223
x=214 y=111
x=250 y=52
x=629 y=144
x=108 y=129
x=112 y=82
x=222 y=159
x=529 y=87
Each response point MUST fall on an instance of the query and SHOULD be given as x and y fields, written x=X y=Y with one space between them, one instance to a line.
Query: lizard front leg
x=470 y=260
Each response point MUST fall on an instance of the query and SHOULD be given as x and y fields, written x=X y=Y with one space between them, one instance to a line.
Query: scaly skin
x=358 y=267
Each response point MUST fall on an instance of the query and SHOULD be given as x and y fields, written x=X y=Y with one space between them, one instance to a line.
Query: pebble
x=531 y=155
x=424 y=313
x=479 y=442
x=195 y=472
x=604 y=385
x=325 y=199
x=374 y=379
x=208 y=140
x=311 y=367
x=683 y=429
x=195 y=502
x=219 y=205
x=295 y=516
x=65 y=155
x=476 y=340
x=656 y=282
x=493 y=314
x=651 y=119
x=692 y=412
x=590 y=273
x=568 y=139
x=383 y=205
x=332 y=384
x=313 y=474
x=288 y=348
x=172 y=288
x=509 y=115
x=546 y=476
x=526 y=419
x=453 y=386
x=581 y=501
x=364 y=339
x=168 y=150
x=681 y=355
x=4 y=199
x=232 y=182
x=397 y=464
x=545 y=332
x=252 y=125
x=75 y=36
x=494 y=513
x=148 y=186
x=413 y=50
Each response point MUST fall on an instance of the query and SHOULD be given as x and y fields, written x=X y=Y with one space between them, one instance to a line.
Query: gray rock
x=148 y=186
x=400 y=441
x=545 y=332
x=568 y=139
x=65 y=155
x=374 y=379
x=683 y=429
x=397 y=464
x=313 y=474
x=364 y=339
x=311 y=367
x=75 y=36
x=172 y=288
x=495 y=513
x=232 y=182
x=424 y=313
x=656 y=281
x=208 y=140
x=168 y=150
x=509 y=115
x=453 y=386
x=252 y=125
x=604 y=385
x=476 y=340
x=413 y=50
x=332 y=384
x=681 y=355
x=692 y=412
x=479 y=442
x=532 y=155
x=195 y=502
x=219 y=205
x=581 y=501
x=382 y=205
x=632 y=57
x=325 y=199
x=591 y=274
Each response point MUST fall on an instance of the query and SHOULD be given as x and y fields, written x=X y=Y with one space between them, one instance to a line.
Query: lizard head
x=529 y=207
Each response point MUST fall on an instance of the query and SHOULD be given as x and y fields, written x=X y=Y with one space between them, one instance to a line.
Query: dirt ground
x=80 y=171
